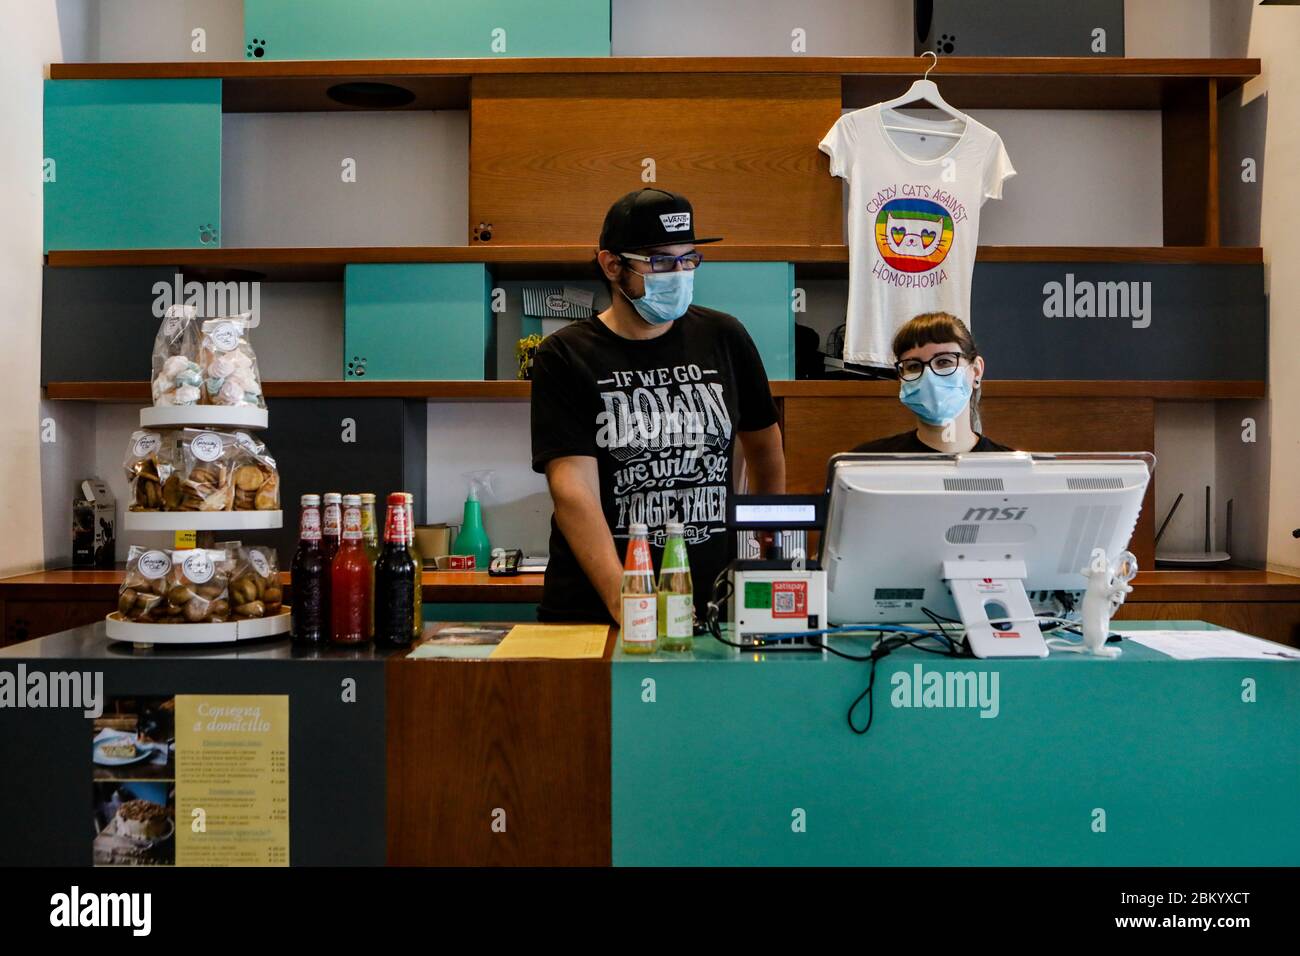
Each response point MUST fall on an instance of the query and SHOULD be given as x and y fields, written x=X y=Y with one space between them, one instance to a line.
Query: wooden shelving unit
x=770 y=112
x=326 y=264
x=973 y=82
x=514 y=391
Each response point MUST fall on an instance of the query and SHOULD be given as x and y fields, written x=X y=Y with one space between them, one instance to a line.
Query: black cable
x=722 y=589
x=937 y=621
x=883 y=648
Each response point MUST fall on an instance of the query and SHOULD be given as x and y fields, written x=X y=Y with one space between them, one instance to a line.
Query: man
x=636 y=412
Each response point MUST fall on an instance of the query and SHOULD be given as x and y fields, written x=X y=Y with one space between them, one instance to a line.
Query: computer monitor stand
x=993 y=590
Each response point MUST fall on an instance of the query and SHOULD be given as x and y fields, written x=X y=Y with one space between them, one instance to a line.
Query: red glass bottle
x=309 y=579
x=350 y=580
x=395 y=580
x=331 y=524
x=331 y=530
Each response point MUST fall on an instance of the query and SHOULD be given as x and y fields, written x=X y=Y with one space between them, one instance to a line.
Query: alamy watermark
x=950 y=689
x=74 y=690
x=209 y=299
x=78 y=909
x=1084 y=299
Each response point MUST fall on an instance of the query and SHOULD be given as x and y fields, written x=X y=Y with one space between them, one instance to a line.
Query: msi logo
x=995 y=514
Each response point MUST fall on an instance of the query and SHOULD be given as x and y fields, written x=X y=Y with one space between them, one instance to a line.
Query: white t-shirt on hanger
x=913 y=219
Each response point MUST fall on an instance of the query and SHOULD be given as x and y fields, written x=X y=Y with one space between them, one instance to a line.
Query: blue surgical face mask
x=937 y=399
x=667 y=295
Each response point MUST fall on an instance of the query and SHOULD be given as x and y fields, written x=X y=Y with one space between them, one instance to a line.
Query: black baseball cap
x=649 y=217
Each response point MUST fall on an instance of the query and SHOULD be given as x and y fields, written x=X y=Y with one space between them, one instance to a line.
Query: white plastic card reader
x=777 y=597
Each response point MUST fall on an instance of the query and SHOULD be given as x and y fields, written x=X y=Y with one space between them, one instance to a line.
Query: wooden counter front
x=499 y=763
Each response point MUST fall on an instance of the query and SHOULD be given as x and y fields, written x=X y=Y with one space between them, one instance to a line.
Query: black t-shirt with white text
x=660 y=416
x=910 y=442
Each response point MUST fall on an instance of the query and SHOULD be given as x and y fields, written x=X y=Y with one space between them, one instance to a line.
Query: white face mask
x=667 y=295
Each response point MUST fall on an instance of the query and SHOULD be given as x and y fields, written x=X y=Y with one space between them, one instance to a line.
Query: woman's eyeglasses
x=945 y=363
x=689 y=260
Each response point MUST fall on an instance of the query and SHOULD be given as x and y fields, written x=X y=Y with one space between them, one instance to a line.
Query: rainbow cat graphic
x=913 y=235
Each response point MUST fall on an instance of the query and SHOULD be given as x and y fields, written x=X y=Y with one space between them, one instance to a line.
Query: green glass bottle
x=676 y=594
x=370 y=541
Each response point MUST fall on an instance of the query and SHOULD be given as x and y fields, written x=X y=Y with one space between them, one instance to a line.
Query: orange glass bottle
x=351 y=578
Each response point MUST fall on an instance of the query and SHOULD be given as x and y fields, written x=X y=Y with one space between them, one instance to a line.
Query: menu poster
x=192 y=780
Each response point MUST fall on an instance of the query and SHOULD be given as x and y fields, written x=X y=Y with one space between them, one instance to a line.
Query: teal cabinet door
x=748 y=760
x=351 y=30
x=132 y=164
x=758 y=294
x=418 y=322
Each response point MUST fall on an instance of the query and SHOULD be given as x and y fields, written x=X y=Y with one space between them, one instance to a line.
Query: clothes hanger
x=924 y=90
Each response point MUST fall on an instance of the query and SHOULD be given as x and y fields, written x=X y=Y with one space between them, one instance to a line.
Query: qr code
x=783 y=602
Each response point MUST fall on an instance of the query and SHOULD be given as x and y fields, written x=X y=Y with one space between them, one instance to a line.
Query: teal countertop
x=706 y=648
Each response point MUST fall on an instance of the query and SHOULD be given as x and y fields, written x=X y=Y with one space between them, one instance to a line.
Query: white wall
x=30 y=40
x=1185 y=445
x=1242 y=450
x=130 y=30
x=1176 y=28
x=1274 y=37
x=64 y=464
x=282 y=179
x=760 y=27
x=466 y=437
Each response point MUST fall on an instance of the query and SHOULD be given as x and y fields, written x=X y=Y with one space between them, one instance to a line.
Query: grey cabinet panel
x=1018 y=27
x=98 y=325
x=1121 y=321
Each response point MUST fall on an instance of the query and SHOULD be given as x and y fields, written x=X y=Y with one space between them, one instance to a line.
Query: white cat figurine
x=1108 y=586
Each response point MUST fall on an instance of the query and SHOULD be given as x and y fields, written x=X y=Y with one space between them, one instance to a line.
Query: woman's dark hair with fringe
x=939 y=328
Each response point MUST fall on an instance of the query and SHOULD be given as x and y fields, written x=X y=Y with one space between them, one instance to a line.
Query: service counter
x=715 y=757
x=748 y=759
x=1265 y=603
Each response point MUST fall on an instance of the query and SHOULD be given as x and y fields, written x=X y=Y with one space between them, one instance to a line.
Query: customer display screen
x=900 y=594
x=794 y=514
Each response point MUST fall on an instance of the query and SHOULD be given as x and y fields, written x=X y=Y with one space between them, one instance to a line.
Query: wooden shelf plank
x=514 y=391
x=1242 y=585
x=474 y=66
x=449 y=586
x=971 y=82
x=1036 y=388
x=321 y=263
x=468 y=586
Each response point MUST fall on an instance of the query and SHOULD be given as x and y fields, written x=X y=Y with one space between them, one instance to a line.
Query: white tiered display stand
x=147 y=635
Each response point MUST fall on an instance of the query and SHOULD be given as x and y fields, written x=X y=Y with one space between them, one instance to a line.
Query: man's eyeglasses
x=658 y=263
x=945 y=363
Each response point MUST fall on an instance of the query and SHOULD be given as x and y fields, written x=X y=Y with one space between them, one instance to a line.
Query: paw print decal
x=946 y=44
x=256 y=49
x=208 y=234
x=357 y=367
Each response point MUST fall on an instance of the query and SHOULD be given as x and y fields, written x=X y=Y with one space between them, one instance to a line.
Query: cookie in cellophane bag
x=207 y=462
x=228 y=363
x=198 y=586
x=257 y=479
x=151 y=471
x=143 y=593
x=255 y=589
x=177 y=378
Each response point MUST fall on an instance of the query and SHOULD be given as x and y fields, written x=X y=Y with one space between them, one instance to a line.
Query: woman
x=939 y=370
